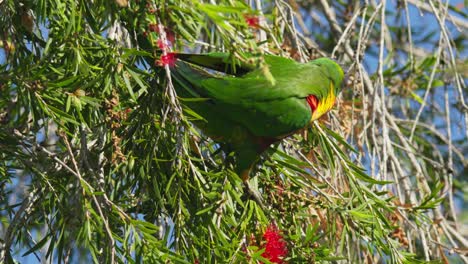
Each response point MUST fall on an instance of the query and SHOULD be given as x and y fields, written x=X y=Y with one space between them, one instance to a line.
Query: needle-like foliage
x=100 y=163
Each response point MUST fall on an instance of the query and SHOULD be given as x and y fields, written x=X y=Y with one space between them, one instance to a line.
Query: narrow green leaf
x=38 y=245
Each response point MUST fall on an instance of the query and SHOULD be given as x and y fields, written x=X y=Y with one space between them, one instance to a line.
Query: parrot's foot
x=253 y=194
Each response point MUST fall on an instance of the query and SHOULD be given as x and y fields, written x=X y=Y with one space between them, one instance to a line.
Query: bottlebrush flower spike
x=168 y=59
x=275 y=246
x=252 y=21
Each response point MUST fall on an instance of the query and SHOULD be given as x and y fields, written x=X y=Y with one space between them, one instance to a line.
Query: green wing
x=251 y=100
x=221 y=62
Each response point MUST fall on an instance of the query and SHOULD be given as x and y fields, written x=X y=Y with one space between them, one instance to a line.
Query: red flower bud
x=168 y=59
x=252 y=21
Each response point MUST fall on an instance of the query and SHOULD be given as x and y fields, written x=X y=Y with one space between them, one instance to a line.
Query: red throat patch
x=313 y=102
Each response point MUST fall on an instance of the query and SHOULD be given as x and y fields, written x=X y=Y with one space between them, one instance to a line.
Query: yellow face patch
x=325 y=104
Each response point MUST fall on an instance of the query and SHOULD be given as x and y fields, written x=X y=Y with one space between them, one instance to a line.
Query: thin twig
x=96 y=203
x=458 y=22
x=20 y=217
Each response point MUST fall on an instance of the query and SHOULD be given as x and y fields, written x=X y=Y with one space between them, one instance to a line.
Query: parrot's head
x=325 y=99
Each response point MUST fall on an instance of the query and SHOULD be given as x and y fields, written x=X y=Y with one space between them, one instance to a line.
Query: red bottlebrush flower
x=252 y=21
x=275 y=246
x=168 y=59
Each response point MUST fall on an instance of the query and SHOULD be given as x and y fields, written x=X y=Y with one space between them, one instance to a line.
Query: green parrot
x=247 y=111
